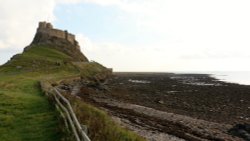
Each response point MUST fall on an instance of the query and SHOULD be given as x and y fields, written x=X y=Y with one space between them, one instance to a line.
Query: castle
x=47 y=36
x=47 y=28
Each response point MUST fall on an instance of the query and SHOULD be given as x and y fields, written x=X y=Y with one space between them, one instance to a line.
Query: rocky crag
x=58 y=39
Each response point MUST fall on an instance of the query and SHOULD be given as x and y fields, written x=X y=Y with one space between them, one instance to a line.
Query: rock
x=65 y=87
x=19 y=67
x=161 y=101
x=241 y=130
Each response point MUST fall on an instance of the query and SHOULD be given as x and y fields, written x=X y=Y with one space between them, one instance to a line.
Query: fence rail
x=69 y=116
x=66 y=111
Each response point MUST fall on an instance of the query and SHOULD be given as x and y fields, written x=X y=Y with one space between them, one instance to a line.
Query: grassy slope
x=25 y=113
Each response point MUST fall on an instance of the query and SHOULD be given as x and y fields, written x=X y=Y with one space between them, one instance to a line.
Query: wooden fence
x=70 y=120
x=63 y=105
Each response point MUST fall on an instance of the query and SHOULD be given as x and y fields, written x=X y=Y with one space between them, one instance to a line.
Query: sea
x=239 y=77
x=242 y=77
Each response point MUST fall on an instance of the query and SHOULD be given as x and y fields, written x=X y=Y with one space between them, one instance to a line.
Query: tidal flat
x=169 y=106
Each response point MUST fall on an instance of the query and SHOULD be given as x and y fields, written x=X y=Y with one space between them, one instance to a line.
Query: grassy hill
x=38 y=59
x=26 y=114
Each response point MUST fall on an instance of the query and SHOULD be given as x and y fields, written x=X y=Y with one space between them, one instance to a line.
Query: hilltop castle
x=47 y=29
x=47 y=36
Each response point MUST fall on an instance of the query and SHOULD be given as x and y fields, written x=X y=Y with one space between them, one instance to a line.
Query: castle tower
x=42 y=25
x=49 y=25
x=66 y=34
x=45 y=25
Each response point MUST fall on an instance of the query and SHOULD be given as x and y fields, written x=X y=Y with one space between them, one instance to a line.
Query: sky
x=139 y=35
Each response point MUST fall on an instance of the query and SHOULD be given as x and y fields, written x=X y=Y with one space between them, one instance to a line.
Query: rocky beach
x=168 y=106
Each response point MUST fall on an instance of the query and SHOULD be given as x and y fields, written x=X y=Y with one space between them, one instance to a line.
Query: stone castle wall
x=70 y=37
x=47 y=28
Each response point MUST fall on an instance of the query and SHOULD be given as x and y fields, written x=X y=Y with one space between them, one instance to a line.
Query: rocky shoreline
x=174 y=107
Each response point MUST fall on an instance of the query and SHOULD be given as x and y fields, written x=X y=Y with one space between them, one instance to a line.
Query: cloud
x=188 y=35
x=18 y=23
x=154 y=57
x=19 y=20
x=99 y=2
x=126 y=57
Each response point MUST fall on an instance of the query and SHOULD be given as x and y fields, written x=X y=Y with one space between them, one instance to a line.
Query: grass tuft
x=101 y=127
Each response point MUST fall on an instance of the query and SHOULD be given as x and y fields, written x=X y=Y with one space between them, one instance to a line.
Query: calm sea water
x=240 y=77
x=234 y=77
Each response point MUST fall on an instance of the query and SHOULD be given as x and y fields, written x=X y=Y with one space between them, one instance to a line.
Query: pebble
x=18 y=67
x=161 y=102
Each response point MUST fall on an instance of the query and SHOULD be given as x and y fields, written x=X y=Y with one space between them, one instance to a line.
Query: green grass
x=38 y=59
x=90 y=69
x=25 y=112
x=100 y=126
